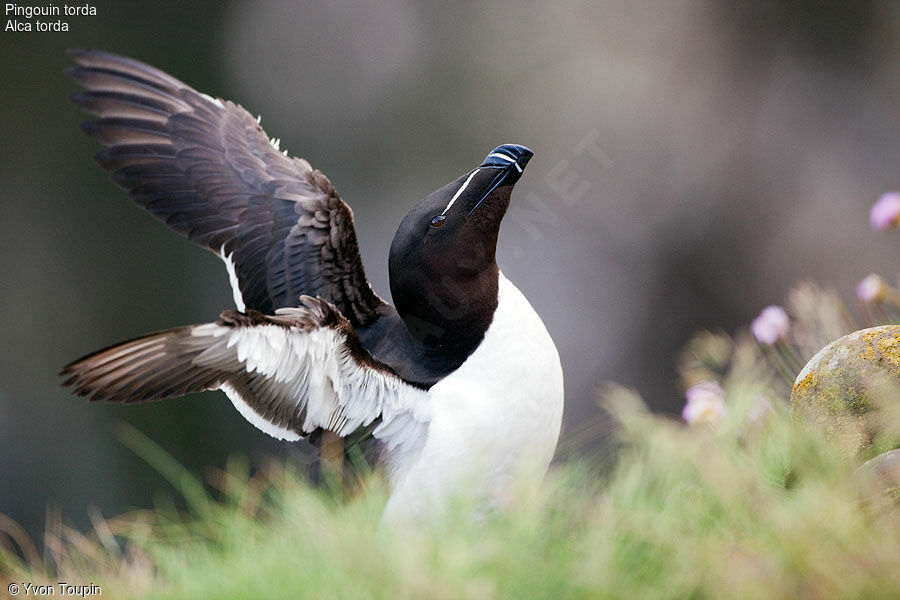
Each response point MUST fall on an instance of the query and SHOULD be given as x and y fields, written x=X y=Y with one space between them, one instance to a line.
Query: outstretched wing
x=288 y=374
x=207 y=169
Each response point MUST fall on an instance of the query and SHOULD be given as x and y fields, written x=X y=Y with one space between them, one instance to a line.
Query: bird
x=458 y=382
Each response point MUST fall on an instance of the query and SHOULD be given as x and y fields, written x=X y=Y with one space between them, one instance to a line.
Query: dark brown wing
x=288 y=374
x=206 y=168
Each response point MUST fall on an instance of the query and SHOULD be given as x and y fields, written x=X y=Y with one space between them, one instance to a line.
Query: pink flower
x=705 y=404
x=771 y=325
x=871 y=289
x=885 y=212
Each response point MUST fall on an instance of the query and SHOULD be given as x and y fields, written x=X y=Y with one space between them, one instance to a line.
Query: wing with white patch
x=207 y=169
x=303 y=368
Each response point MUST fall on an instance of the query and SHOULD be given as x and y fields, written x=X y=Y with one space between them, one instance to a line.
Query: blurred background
x=694 y=159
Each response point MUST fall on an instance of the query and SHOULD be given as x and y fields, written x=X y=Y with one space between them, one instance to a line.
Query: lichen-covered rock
x=839 y=386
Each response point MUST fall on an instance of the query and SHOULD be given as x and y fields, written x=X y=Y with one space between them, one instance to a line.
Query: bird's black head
x=443 y=270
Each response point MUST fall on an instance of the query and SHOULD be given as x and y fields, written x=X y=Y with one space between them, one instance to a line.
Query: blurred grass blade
x=190 y=488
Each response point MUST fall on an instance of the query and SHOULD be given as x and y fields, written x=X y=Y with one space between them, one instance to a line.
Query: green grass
x=748 y=511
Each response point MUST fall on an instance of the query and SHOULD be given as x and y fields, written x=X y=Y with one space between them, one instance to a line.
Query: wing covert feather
x=289 y=374
x=206 y=168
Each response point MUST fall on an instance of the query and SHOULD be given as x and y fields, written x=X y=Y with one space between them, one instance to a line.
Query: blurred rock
x=884 y=469
x=843 y=386
x=880 y=478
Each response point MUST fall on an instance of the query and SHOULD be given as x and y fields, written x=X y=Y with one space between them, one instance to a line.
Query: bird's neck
x=453 y=315
x=434 y=334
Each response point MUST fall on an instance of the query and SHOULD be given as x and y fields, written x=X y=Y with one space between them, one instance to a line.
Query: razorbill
x=459 y=382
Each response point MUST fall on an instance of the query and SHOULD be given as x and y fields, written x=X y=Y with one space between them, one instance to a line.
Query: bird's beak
x=509 y=162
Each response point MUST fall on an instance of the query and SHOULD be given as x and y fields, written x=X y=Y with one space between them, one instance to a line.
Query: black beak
x=508 y=155
x=509 y=161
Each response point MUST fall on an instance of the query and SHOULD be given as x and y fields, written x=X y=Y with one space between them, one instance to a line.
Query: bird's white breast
x=494 y=422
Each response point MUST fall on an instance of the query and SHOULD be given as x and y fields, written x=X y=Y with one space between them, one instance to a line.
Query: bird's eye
x=438 y=221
